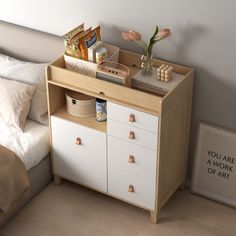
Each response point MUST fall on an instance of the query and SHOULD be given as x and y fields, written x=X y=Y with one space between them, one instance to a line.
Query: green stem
x=142 y=44
x=149 y=50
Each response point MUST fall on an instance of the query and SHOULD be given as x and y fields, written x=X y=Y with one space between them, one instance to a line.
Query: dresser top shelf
x=58 y=75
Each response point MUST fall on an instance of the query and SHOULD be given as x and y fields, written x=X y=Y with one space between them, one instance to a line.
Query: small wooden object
x=78 y=141
x=131 y=188
x=57 y=180
x=131 y=159
x=131 y=118
x=131 y=135
x=164 y=73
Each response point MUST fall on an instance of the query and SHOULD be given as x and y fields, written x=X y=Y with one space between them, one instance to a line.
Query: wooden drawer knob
x=131 y=188
x=131 y=135
x=131 y=159
x=78 y=141
x=131 y=118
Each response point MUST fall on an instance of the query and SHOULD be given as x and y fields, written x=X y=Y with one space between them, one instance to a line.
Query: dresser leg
x=155 y=216
x=57 y=180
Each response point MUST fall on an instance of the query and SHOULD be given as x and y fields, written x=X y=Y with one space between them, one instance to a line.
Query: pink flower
x=164 y=33
x=137 y=38
x=131 y=35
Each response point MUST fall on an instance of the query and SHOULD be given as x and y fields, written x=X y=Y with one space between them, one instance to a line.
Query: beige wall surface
x=204 y=36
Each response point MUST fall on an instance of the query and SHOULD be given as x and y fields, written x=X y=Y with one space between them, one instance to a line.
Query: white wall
x=204 y=37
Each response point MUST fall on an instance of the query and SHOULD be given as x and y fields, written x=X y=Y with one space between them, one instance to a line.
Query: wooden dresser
x=140 y=154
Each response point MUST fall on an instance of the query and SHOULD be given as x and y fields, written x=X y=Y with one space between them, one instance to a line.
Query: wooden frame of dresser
x=173 y=110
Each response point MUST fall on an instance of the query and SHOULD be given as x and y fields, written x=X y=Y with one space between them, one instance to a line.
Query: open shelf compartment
x=89 y=122
x=58 y=75
x=57 y=107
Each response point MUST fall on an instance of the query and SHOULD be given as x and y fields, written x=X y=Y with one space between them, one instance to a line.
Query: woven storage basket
x=79 y=104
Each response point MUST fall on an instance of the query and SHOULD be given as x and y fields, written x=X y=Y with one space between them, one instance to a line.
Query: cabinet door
x=79 y=153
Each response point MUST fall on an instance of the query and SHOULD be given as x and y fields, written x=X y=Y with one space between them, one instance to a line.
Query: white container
x=78 y=104
x=92 y=51
x=87 y=67
x=101 y=55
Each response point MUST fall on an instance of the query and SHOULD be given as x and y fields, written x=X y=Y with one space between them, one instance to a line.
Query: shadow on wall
x=213 y=102
x=112 y=34
x=187 y=37
x=176 y=49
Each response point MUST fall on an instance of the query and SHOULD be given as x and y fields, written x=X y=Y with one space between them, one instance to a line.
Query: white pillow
x=15 y=100
x=30 y=73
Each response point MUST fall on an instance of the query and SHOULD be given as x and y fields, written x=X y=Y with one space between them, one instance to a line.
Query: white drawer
x=119 y=183
x=132 y=158
x=140 y=119
x=132 y=134
x=84 y=163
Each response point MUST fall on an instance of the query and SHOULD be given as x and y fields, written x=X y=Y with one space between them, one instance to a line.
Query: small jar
x=101 y=109
x=101 y=55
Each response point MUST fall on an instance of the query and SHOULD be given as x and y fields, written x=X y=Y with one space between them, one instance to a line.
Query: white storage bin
x=87 y=67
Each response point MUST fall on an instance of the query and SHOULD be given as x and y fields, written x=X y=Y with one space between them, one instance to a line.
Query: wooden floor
x=70 y=210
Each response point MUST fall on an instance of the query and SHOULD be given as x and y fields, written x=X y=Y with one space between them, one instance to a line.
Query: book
x=151 y=84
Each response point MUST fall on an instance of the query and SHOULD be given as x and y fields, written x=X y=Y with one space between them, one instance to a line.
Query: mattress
x=31 y=146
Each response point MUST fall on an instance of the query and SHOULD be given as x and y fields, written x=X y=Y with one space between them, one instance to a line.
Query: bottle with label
x=101 y=55
x=101 y=109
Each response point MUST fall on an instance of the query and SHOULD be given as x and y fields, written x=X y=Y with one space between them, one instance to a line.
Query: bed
x=31 y=146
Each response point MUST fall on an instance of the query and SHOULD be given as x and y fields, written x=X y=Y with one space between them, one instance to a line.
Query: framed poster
x=214 y=170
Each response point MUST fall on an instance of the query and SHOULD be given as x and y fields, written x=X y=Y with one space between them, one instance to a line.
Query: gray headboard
x=28 y=44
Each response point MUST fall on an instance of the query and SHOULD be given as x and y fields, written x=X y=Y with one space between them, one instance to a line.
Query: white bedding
x=31 y=146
